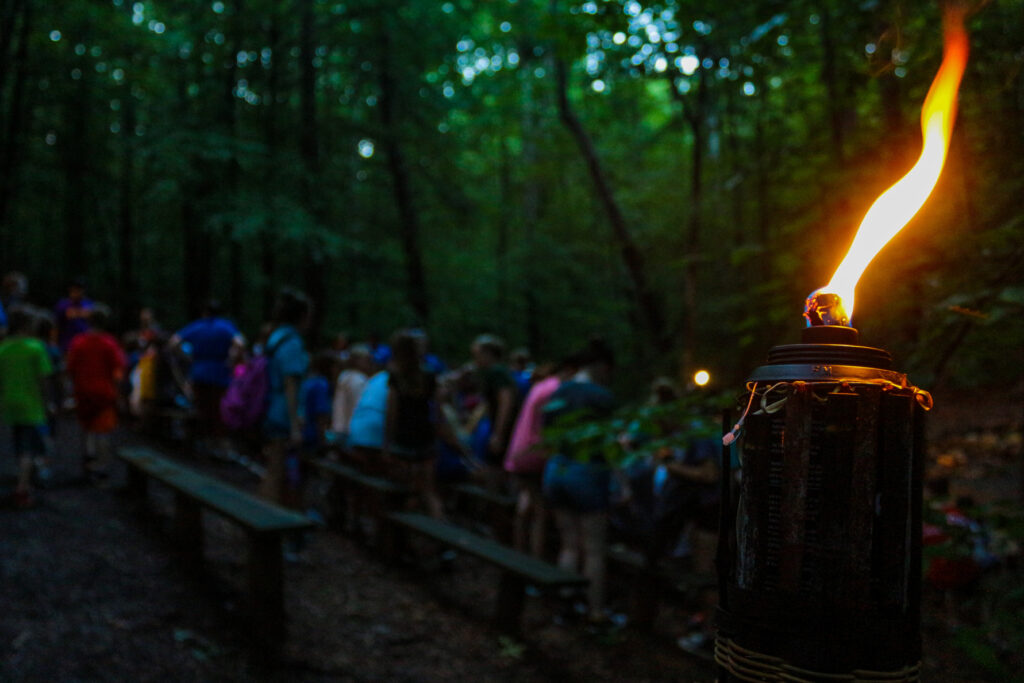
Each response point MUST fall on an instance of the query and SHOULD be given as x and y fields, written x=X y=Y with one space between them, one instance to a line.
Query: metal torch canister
x=820 y=543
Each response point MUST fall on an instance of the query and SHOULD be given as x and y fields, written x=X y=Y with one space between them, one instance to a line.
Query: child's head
x=599 y=360
x=360 y=358
x=519 y=359
x=44 y=326
x=487 y=350
x=293 y=308
x=405 y=353
x=76 y=289
x=99 y=317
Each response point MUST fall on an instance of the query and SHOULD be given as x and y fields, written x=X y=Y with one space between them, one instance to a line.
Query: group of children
x=50 y=361
x=391 y=409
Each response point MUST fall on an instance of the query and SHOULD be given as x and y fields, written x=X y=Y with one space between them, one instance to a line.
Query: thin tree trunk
x=268 y=256
x=409 y=224
x=501 y=247
x=650 y=311
x=76 y=154
x=830 y=78
x=236 y=294
x=309 y=145
x=530 y=212
x=17 y=111
x=127 y=295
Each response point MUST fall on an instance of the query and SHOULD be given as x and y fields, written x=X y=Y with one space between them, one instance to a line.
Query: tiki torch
x=820 y=544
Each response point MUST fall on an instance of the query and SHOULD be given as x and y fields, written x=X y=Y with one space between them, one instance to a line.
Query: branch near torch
x=820 y=547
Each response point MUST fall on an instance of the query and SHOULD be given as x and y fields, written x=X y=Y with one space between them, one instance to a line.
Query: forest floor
x=91 y=591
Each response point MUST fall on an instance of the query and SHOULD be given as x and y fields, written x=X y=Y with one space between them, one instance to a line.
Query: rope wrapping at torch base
x=748 y=665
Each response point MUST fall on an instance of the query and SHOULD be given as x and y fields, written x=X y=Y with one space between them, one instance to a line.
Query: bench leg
x=266 y=588
x=137 y=484
x=511 y=599
x=188 y=530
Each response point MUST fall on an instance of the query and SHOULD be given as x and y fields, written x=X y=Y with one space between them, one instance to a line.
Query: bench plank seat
x=490 y=497
x=534 y=570
x=517 y=569
x=243 y=508
x=349 y=473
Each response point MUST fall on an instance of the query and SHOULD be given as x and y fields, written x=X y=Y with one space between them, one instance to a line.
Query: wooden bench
x=518 y=570
x=376 y=495
x=495 y=509
x=264 y=523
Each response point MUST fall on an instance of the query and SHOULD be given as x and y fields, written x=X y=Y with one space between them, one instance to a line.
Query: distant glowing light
x=366 y=148
x=749 y=88
x=701 y=378
x=870 y=48
x=55 y=36
x=598 y=85
x=688 y=64
x=505 y=27
x=218 y=7
x=660 y=64
x=619 y=38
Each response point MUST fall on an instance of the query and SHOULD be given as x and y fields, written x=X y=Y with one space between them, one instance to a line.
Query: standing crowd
x=392 y=409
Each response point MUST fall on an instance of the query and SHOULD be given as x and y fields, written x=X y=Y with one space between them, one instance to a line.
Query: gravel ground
x=91 y=591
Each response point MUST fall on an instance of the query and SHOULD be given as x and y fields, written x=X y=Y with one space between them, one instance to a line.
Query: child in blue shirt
x=315 y=400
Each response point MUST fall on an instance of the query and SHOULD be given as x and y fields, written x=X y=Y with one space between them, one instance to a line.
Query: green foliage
x=635 y=432
x=184 y=130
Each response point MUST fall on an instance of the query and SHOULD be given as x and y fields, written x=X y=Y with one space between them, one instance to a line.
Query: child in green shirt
x=24 y=367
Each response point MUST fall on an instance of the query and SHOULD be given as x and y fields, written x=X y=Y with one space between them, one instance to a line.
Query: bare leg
x=539 y=524
x=570 y=542
x=24 y=473
x=595 y=542
x=428 y=490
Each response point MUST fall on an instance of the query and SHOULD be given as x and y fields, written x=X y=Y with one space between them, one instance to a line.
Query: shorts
x=96 y=414
x=577 y=486
x=28 y=439
x=207 y=403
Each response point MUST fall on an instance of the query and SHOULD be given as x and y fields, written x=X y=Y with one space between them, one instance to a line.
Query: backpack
x=245 y=400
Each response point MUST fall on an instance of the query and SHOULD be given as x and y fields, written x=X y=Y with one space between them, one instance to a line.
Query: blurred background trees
x=673 y=175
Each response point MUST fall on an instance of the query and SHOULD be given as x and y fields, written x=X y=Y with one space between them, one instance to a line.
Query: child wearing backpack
x=286 y=363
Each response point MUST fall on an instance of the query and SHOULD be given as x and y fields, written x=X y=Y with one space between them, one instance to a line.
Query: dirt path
x=91 y=591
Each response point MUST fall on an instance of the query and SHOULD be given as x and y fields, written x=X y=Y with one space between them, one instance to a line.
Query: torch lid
x=825 y=362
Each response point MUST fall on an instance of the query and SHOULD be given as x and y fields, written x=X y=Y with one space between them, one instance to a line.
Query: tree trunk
x=501 y=247
x=650 y=311
x=17 y=110
x=409 y=224
x=127 y=294
x=530 y=212
x=268 y=255
x=309 y=145
x=693 y=225
x=76 y=154
x=229 y=112
x=830 y=78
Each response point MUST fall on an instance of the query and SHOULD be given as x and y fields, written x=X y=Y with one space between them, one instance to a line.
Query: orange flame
x=897 y=205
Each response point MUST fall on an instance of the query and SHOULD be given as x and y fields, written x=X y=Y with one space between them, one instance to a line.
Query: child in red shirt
x=95 y=364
